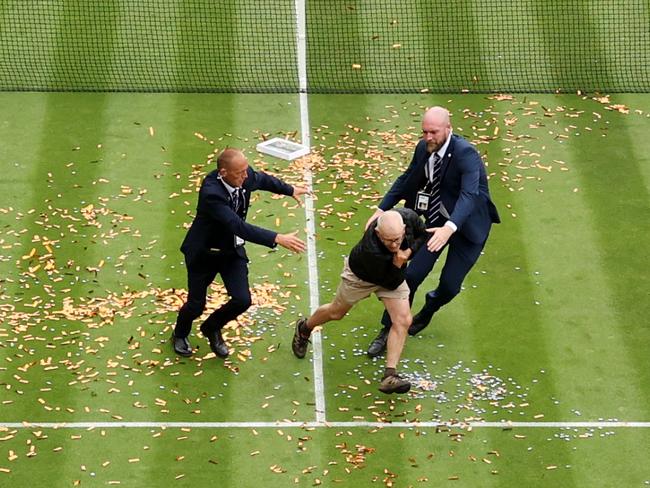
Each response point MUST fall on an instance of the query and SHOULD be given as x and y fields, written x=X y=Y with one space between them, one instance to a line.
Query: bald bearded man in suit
x=445 y=182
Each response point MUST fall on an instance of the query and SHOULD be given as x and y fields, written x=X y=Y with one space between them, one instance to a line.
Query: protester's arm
x=401 y=257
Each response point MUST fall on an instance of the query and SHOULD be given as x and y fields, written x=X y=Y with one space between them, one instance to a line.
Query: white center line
x=301 y=52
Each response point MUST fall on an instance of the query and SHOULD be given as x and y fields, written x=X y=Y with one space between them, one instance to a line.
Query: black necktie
x=434 y=200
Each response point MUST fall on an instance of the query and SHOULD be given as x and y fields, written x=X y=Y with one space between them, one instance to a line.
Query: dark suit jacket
x=463 y=188
x=216 y=223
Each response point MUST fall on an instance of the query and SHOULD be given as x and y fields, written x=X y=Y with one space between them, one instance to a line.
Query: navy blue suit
x=465 y=195
x=210 y=249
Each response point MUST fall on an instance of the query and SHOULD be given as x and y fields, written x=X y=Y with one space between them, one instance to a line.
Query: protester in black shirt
x=376 y=264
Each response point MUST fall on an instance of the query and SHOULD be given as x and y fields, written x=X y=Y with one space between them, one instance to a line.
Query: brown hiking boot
x=394 y=384
x=300 y=343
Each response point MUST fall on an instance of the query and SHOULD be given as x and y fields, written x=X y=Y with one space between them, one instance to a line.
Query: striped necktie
x=434 y=200
x=236 y=199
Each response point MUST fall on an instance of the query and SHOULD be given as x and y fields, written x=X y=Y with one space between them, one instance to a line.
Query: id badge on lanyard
x=422 y=198
x=422 y=201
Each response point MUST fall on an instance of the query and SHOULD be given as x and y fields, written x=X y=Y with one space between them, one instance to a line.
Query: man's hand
x=299 y=191
x=439 y=238
x=377 y=213
x=401 y=257
x=291 y=242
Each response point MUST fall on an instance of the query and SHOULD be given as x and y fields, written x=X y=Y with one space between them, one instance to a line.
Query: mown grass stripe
x=381 y=425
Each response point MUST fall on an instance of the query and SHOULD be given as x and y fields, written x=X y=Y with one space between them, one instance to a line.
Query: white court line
x=311 y=425
x=319 y=384
x=314 y=299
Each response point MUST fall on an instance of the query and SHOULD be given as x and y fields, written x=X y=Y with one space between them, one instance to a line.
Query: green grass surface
x=550 y=326
x=560 y=280
x=329 y=457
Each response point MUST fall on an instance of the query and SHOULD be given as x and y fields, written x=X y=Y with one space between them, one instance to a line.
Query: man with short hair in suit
x=447 y=183
x=214 y=244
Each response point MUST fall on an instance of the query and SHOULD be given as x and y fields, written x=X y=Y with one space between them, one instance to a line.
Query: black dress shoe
x=182 y=346
x=217 y=344
x=420 y=321
x=378 y=345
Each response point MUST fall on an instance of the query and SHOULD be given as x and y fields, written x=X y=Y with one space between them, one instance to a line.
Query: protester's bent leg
x=235 y=279
x=400 y=314
x=335 y=310
x=325 y=313
x=198 y=280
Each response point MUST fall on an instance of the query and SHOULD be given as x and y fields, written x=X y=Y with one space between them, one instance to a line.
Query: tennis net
x=352 y=46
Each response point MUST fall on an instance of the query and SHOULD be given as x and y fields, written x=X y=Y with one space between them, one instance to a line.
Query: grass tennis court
x=535 y=375
x=549 y=328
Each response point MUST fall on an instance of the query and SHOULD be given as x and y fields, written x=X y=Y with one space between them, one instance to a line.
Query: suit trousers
x=462 y=254
x=200 y=274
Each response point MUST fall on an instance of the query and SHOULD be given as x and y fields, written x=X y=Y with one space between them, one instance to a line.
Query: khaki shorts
x=352 y=289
